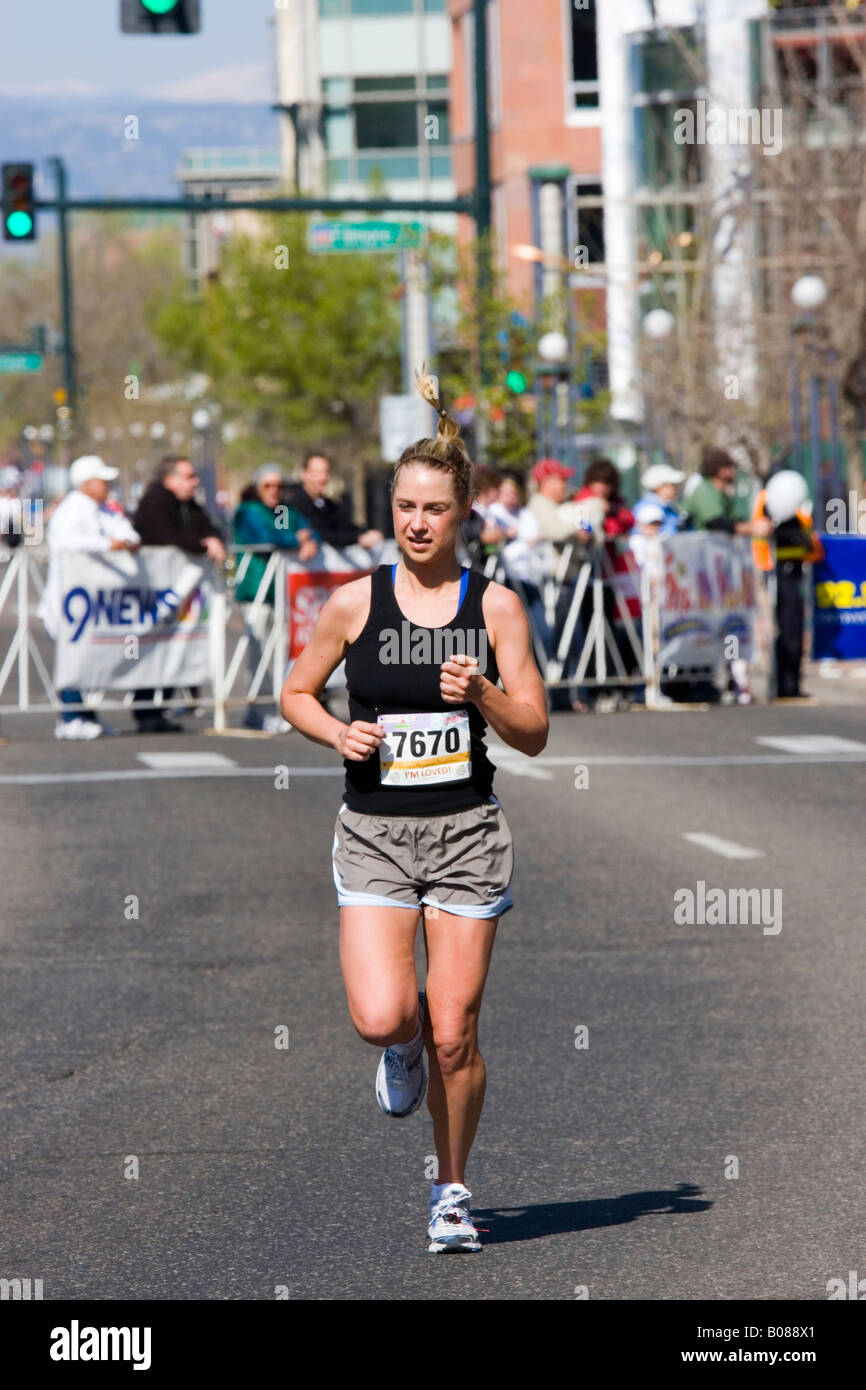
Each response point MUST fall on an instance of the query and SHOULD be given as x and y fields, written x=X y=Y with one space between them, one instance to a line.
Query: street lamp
x=659 y=324
x=203 y=421
x=808 y=295
x=553 y=347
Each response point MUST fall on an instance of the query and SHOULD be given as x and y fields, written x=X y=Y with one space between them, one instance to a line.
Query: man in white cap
x=83 y=521
x=660 y=484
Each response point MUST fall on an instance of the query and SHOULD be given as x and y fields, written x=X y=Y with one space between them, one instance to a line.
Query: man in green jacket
x=713 y=504
x=262 y=519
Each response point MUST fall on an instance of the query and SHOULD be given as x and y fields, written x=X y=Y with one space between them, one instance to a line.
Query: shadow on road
x=506 y=1224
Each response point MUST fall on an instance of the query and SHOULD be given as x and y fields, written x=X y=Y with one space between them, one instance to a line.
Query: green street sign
x=363 y=236
x=20 y=361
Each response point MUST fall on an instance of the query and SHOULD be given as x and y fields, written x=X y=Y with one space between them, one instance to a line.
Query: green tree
x=298 y=346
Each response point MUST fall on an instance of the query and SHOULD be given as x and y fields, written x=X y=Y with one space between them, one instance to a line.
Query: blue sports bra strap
x=464 y=583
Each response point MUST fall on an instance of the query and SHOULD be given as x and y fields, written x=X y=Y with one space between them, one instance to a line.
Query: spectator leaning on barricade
x=330 y=517
x=262 y=519
x=168 y=514
x=525 y=557
x=480 y=534
x=563 y=525
x=661 y=484
x=714 y=506
x=84 y=522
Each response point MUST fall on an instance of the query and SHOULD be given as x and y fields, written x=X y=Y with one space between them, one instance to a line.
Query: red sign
x=308 y=592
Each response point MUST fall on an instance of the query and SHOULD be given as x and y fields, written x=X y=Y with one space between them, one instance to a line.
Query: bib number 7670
x=424 y=749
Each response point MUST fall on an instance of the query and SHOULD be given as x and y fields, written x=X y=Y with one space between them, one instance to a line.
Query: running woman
x=426 y=645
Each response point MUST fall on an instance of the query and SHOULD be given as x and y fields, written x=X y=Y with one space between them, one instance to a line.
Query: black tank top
x=383 y=678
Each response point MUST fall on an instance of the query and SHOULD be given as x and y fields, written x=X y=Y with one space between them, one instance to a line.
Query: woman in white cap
x=83 y=521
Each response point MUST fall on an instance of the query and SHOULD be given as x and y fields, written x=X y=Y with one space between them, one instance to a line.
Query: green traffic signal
x=19 y=224
x=160 y=16
x=516 y=382
x=19 y=205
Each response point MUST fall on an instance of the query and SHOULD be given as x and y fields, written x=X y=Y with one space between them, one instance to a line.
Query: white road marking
x=728 y=849
x=183 y=761
x=534 y=767
x=813 y=743
x=521 y=766
x=141 y=774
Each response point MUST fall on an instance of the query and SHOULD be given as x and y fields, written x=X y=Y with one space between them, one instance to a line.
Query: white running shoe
x=401 y=1079
x=450 y=1225
x=78 y=729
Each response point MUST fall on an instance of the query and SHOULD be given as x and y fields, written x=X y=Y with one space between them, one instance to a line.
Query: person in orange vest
x=796 y=543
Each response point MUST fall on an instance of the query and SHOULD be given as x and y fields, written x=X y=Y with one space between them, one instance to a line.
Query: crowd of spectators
x=531 y=530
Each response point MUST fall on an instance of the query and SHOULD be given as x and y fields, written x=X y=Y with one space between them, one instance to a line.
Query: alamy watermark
x=718 y=125
x=431 y=646
x=729 y=907
x=23 y=517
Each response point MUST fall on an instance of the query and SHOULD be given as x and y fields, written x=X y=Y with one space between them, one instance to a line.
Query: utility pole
x=482 y=208
x=69 y=374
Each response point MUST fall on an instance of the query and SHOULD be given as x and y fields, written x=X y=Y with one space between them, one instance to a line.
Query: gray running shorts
x=461 y=862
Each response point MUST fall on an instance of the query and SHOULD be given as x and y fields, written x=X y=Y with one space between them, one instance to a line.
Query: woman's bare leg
x=377 y=956
x=458 y=958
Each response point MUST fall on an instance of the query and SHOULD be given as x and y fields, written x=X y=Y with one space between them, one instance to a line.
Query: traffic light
x=516 y=382
x=160 y=16
x=19 y=211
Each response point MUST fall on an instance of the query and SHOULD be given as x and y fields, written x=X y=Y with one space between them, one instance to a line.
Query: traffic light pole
x=62 y=205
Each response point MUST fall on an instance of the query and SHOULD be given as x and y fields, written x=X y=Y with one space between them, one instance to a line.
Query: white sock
x=437 y=1190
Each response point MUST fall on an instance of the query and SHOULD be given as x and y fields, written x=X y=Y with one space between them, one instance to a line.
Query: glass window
x=440 y=166
x=434 y=6
x=384 y=84
x=584 y=57
x=437 y=83
x=338 y=132
x=335 y=91
x=398 y=166
x=387 y=125
x=662 y=163
x=339 y=170
x=380 y=7
x=332 y=9
x=590 y=223
x=668 y=63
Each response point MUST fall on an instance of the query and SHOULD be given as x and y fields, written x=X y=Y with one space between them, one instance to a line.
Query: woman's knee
x=385 y=1021
x=456 y=1042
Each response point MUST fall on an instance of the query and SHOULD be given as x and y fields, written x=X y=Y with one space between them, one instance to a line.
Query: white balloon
x=786 y=493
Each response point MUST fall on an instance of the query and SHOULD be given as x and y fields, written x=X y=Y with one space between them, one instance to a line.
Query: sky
x=74 y=48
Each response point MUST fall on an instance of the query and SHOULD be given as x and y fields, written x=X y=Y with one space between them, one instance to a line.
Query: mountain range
x=89 y=134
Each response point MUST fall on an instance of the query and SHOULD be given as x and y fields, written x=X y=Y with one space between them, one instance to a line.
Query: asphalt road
x=712 y=1049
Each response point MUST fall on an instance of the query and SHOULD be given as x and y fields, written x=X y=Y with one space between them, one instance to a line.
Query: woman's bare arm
x=299 y=699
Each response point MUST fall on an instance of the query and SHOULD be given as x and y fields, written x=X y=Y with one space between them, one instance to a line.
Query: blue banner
x=840 y=600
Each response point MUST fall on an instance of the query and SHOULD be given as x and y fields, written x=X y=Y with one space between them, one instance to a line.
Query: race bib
x=424 y=749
